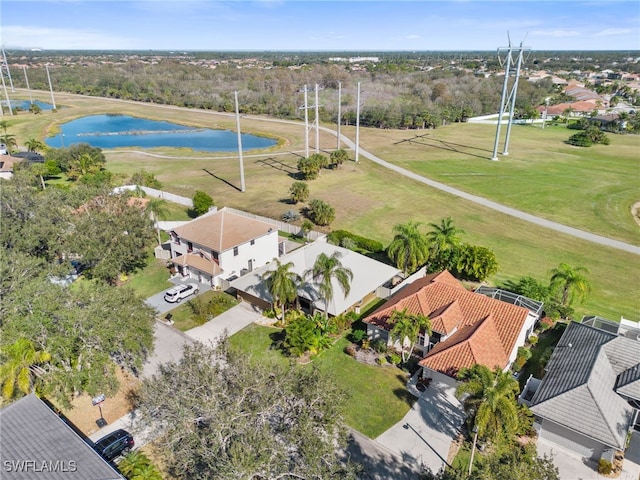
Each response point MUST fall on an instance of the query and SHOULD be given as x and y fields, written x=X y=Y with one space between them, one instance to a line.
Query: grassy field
x=589 y=188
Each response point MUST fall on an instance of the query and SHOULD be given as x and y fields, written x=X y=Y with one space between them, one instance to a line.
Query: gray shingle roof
x=37 y=444
x=578 y=390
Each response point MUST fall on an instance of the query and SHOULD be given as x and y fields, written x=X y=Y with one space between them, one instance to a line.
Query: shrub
x=395 y=358
x=580 y=140
x=379 y=345
x=337 y=237
x=604 y=467
x=299 y=192
x=533 y=340
x=381 y=361
x=321 y=212
x=201 y=203
x=358 y=335
x=290 y=216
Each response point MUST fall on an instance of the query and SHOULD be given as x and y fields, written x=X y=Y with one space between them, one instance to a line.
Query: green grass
x=152 y=279
x=378 y=397
x=183 y=317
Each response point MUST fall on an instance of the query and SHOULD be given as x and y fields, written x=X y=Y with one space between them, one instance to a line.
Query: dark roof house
x=585 y=400
x=36 y=444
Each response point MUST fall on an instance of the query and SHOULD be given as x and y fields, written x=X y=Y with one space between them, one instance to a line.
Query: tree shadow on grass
x=277 y=342
x=404 y=395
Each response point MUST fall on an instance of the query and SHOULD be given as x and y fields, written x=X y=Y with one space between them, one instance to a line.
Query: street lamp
x=473 y=448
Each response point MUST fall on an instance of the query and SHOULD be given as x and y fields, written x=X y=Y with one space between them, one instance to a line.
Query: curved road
x=527 y=217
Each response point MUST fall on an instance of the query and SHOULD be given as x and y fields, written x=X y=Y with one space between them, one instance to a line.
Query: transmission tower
x=5 y=69
x=316 y=123
x=508 y=100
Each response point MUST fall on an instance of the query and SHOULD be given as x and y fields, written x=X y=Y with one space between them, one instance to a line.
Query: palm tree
x=10 y=141
x=409 y=248
x=443 y=236
x=19 y=358
x=158 y=209
x=324 y=270
x=570 y=283
x=408 y=326
x=35 y=145
x=282 y=284
x=489 y=398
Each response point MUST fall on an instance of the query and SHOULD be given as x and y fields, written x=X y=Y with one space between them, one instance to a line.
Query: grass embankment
x=590 y=188
x=184 y=318
x=378 y=397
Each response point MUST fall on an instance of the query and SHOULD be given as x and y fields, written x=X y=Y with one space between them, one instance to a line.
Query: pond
x=25 y=104
x=114 y=131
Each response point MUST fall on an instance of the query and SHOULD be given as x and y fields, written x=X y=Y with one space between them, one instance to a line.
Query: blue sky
x=319 y=25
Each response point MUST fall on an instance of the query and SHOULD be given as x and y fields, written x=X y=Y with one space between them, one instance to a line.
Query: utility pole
x=306 y=124
x=508 y=100
x=53 y=101
x=26 y=79
x=239 y=142
x=6 y=94
x=358 y=123
x=5 y=65
x=339 y=112
x=317 y=123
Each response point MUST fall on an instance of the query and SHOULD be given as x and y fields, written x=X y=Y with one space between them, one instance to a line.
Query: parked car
x=114 y=444
x=176 y=294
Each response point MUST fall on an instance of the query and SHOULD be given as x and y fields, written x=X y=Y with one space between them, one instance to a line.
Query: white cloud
x=612 y=31
x=413 y=37
x=556 y=33
x=62 y=39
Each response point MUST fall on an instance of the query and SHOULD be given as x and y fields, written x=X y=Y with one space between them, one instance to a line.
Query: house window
x=235 y=251
x=420 y=341
x=252 y=242
x=189 y=247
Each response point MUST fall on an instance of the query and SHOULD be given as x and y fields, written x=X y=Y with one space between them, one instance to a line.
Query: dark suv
x=114 y=444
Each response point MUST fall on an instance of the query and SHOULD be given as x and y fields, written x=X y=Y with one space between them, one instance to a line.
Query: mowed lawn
x=377 y=396
x=369 y=199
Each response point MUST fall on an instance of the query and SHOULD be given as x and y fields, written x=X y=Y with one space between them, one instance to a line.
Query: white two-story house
x=222 y=245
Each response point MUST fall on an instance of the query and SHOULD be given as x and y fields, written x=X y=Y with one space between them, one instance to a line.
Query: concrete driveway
x=231 y=321
x=158 y=302
x=427 y=430
x=572 y=466
x=167 y=347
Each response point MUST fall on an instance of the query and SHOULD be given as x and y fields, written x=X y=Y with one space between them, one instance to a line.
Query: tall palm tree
x=408 y=326
x=18 y=359
x=489 y=398
x=282 y=284
x=10 y=141
x=157 y=208
x=324 y=270
x=35 y=145
x=569 y=283
x=443 y=236
x=409 y=248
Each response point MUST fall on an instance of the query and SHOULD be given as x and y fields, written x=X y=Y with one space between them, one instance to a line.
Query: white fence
x=152 y=192
x=284 y=226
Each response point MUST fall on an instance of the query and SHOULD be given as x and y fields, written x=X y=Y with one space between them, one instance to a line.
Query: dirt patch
x=635 y=212
x=84 y=415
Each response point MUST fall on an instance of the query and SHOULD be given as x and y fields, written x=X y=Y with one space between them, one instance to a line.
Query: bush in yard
x=523 y=355
x=290 y=216
x=381 y=361
x=201 y=203
x=358 y=335
x=337 y=237
x=200 y=309
x=533 y=340
x=299 y=192
x=395 y=359
x=379 y=345
x=321 y=213
x=604 y=467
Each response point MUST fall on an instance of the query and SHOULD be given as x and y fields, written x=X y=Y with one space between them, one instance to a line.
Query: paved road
x=527 y=217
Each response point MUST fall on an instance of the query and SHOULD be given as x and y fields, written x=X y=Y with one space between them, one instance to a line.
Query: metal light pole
x=26 y=79
x=53 y=101
x=358 y=123
x=306 y=125
x=339 y=111
x=239 y=143
x=473 y=448
x=317 y=123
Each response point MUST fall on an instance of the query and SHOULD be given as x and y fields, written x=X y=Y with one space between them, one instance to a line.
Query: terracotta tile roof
x=199 y=262
x=487 y=329
x=222 y=230
x=468 y=346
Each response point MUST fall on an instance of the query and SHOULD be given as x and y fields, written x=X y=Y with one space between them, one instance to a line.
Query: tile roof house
x=222 y=245
x=36 y=443
x=368 y=276
x=585 y=401
x=468 y=327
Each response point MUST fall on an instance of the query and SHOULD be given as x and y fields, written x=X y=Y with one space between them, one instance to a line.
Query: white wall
x=264 y=250
x=527 y=328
